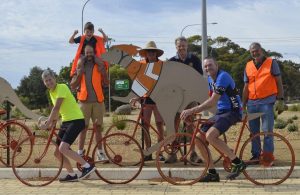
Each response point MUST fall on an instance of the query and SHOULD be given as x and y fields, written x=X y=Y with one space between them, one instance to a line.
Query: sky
x=36 y=32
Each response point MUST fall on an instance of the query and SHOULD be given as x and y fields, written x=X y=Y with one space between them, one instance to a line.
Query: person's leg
x=211 y=175
x=72 y=131
x=86 y=109
x=146 y=120
x=222 y=124
x=160 y=127
x=254 y=126
x=98 y=111
x=267 y=126
x=159 y=123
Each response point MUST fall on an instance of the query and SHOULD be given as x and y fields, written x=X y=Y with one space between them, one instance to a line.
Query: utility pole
x=204 y=34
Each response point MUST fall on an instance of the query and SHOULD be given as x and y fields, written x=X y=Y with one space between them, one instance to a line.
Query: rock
x=123 y=110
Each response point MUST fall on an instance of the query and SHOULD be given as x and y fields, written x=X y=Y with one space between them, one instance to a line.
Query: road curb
x=146 y=174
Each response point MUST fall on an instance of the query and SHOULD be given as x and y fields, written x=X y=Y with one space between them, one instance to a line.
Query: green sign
x=122 y=84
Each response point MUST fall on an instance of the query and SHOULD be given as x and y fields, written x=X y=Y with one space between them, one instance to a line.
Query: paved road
x=144 y=187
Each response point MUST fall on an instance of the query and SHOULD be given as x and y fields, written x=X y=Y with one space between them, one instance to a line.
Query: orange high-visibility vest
x=96 y=82
x=145 y=76
x=261 y=82
x=99 y=50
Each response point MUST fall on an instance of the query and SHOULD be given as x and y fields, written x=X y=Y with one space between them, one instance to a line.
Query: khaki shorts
x=94 y=111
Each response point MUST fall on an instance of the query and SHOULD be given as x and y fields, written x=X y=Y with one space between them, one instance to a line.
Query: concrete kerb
x=146 y=174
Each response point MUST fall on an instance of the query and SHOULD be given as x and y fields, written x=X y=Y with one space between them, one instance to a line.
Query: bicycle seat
x=2 y=112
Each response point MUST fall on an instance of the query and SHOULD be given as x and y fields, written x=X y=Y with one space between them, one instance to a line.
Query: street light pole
x=82 y=16
x=204 y=33
x=108 y=43
x=181 y=34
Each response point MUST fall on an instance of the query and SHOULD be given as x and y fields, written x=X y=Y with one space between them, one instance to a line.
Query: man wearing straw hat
x=142 y=86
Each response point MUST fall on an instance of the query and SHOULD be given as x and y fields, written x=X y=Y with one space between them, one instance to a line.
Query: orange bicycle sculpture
x=11 y=133
x=41 y=168
x=269 y=169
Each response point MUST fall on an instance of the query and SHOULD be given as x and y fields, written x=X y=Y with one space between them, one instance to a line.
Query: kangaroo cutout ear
x=129 y=49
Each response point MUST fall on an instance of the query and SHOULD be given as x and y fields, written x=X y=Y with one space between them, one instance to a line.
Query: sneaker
x=209 y=177
x=87 y=171
x=102 y=157
x=195 y=158
x=148 y=158
x=236 y=170
x=69 y=178
x=171 y=158
x=161 y=158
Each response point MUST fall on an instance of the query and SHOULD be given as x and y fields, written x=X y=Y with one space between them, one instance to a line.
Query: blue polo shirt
x=224 y=86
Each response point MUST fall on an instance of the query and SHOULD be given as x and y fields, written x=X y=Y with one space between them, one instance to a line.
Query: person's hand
x=100 y=30
x=279 y=106
x=185 y=114
x=245 y=109
x=75 y=32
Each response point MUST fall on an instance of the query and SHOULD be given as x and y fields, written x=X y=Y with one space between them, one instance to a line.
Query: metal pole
x=82 y=16
x=181 y=33
x=108 y=43
x=8 y=133
x=204 y=34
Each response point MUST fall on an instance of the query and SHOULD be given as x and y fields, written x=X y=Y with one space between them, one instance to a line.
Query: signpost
x=122 y=84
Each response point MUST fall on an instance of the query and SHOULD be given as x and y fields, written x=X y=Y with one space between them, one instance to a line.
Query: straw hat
x=150 y=46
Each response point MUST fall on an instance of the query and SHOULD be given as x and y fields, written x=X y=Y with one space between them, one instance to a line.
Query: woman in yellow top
x=73 y=123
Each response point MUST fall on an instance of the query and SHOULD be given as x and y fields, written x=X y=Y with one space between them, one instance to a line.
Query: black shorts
x=222 y=121
x=69 y=131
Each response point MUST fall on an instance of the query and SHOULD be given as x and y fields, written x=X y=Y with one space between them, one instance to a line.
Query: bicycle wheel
x=125 y=157
x=181 y=172
x=216 y=156
x=11 y=133
x=133 y=129
x=270 y=168
x=42 y=167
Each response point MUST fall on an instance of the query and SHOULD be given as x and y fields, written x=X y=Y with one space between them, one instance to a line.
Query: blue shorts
x=69 y=131
x=222 y=121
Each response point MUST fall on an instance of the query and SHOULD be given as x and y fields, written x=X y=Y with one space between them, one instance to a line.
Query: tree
x=32 y=90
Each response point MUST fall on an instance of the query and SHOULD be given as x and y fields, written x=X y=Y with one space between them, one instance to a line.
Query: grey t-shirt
x=275 y=71
x=88 y=70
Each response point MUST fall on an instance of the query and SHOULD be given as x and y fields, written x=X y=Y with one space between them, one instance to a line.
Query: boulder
x=123 y=110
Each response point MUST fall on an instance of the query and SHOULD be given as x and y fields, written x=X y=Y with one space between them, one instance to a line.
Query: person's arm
x=198 y=65
x=105 y=37
x=71 y=40
x=280 y=94
x=76 y=79
x=102 y=70
x=245 y=96
x=245 y=92
x=54 y=115
x=209 y=103
x=275 y=71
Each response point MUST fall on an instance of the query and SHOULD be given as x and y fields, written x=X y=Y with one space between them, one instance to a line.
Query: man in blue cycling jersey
x=224 y=95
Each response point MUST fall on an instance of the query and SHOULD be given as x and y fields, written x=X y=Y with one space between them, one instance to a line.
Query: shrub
x=280 y=124
x=290 y=121
x=295 y=117
x=118 y=121
x=292 y=127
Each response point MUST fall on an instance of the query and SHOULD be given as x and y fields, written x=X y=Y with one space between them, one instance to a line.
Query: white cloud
x=36 y=32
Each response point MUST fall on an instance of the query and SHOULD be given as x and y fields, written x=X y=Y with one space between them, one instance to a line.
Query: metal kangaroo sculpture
x=177 y=86
x=8 y=94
